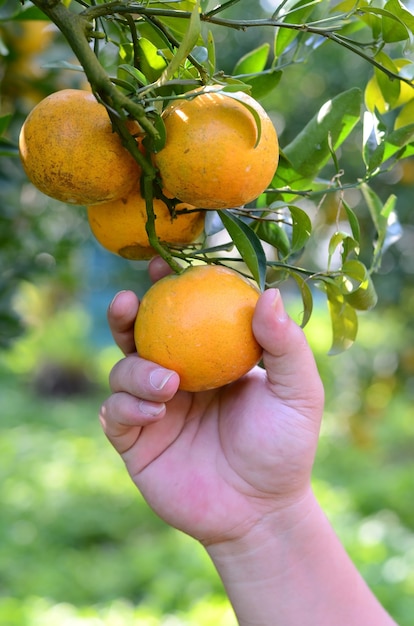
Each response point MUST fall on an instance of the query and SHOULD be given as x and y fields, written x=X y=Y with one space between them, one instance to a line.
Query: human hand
x=214 y=463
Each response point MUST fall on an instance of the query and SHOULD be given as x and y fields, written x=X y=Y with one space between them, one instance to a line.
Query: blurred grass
x=79 y=546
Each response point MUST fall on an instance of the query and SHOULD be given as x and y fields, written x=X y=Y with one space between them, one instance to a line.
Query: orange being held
x=70 y=151
x=216 y=154
x=120 y=225
x=199 y=323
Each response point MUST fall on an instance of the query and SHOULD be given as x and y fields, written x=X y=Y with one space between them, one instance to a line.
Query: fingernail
x=278 y=307
x=151 y=409
x=159 y=378
x=114 y=298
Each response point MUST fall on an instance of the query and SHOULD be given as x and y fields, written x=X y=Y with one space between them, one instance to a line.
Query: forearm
x=301 y=576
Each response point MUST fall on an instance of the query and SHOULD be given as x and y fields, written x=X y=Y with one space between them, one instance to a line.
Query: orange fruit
x=199 y=324
x=71 y=153
x=210 y=158
x=119 y=226
x=30 y=37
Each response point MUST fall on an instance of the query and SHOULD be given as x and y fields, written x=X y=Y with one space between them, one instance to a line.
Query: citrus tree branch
x=77 y=28
x=211 y=17
x=150 y=226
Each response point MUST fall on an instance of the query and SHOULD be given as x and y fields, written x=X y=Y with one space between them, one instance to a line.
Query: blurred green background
x=77 y=543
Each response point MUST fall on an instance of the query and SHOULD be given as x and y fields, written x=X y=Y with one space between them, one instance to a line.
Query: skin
x=232 y=468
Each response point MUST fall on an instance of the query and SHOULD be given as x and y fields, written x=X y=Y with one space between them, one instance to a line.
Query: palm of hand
x=219 y=460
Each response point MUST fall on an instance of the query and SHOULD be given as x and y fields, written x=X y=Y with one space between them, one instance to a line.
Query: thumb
x=292 y=373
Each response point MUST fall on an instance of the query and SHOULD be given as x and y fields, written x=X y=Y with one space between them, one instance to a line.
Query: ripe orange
x=199 y=323
x=119 y=226
x=210 y=158
x=70 y=152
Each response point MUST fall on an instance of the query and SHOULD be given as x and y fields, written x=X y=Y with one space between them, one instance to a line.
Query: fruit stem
x=150 y=226
x=77 y=29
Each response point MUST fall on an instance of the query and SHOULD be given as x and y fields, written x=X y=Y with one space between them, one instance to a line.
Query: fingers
x=158 y=268
x=291 y=369
x=140 y=392
x=143 y=379
x=124 y=308
x=121 y=317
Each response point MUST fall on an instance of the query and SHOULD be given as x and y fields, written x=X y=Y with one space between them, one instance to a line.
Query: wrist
x=291 y=569
x=281 y=530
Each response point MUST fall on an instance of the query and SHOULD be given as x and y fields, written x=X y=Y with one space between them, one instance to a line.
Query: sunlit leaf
x=395 y=26
x=406 y=116
x=386 y=223
x=151 y=62
x=344 y=320
x=311 y=149
x=390 y=89
x=253 y=61
x=392 y=144
x=349 y=245
x=393 y=23
x=358 y=287
x=248 y=244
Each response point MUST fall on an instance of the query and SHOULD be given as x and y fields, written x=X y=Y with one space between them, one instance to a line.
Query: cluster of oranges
x=220 y=152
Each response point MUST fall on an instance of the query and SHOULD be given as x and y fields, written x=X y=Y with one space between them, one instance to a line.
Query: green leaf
x=189 y=40
x=9 y=9
x=263 y=83
x=125 y=71
x=391 y=145
x=343 y=239
x=275 y=235
x=8 y=149
x=178 y=26
x=298 y=15
x=386 y=223
x=395 y=20
x=4 y=122
x=353 y=222
x=395 y=26
x=151 y=62
x=211 y=54
x=357 y=286
x=157 y=144
x=248 y=244
x=344 y=320
x=305 y=156
x=287 y=228
x=306 y=294
x=252 y=62
x=390 y=89
x=302 y=228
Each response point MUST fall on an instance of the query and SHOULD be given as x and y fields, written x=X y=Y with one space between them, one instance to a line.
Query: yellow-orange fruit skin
x=119 y=226
x=70 y=152
x=210 y=158
x=199 y=324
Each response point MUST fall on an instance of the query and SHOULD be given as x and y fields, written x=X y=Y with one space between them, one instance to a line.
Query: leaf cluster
x=140 y=55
